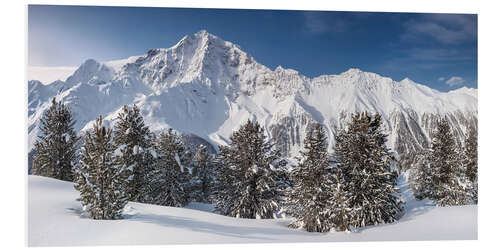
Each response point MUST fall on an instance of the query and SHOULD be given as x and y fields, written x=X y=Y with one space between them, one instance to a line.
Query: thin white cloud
x=420 y=58
x=441 y=78
x=455 y=81
x=318 y=22
x=440 y=54
x=444 y=28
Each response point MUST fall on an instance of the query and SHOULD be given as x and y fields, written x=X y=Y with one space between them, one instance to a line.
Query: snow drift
x=54 y=219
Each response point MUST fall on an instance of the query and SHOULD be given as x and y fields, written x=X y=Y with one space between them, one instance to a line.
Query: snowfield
x=54 y=220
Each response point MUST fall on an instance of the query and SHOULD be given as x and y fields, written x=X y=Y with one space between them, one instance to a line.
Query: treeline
x=353 y=187
x=120 y=164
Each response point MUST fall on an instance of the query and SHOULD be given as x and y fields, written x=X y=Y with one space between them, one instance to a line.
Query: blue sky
x=439 y=50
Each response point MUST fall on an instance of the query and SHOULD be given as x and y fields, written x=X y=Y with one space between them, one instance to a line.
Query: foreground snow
x=54 y=220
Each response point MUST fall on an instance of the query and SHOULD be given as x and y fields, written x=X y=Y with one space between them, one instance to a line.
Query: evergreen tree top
x=100 y=134
x=251 y=144
x=131 y=129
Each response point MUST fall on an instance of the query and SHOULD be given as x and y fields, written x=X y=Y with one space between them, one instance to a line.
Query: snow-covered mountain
x=207 y=87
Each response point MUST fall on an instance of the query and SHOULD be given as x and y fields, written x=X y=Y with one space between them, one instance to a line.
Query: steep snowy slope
x=54 y=219
x=206 y=87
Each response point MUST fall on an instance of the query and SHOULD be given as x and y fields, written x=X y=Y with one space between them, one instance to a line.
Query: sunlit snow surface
x=54 y=219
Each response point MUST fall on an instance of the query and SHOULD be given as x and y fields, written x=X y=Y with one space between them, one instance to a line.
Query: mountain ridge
x=207 y=87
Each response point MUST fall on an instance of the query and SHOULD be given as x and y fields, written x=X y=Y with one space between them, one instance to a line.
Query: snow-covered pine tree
x=446 y=167
x=341 y=212
x=311 y=197
x=470 y=163
x=99 y=179
x=366 y=193
x=168 y=181
x=419 y=179
x=56 y=147
x=133 y=139
x=150 y=161
x=248 y=176
x=204 y=175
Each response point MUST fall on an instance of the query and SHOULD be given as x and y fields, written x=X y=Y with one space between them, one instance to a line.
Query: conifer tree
x=169 y=179
x=56 y=147
x=133 y=140
x=100 y=180
x=419 y=179
x=311 y=197
x=366 y=191
x=204 y=175
x=446 y=169
x=248 y=177
x=151 y=172
x=470 y=163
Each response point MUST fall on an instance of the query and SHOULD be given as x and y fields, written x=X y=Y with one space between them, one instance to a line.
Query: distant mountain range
x=205 y=88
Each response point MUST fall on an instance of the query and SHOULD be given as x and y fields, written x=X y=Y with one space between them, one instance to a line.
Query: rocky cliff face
x=206 y=87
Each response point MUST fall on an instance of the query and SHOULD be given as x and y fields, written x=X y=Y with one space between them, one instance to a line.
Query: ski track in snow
x=54 y=219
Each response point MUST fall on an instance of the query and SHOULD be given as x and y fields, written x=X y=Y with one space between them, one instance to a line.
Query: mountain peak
x=353 y=71
x=465 y=90
x=282 y=70
x=407 y=80
x=200 y=36
x=91 y=72
x=202 y=32
x=279 y=69
x=358 y=74
x=89 y=63
x=205 y=34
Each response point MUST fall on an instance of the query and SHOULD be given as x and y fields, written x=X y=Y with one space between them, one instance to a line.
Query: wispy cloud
x=417 y=58
x=455 y=81
x=439 y=54
x=444 y=28
x=318 y=22
x=441 y=78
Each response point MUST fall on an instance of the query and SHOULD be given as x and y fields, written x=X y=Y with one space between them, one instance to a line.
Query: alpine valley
x=205 y=88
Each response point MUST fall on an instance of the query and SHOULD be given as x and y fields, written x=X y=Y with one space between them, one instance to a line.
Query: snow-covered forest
x=127 y=174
